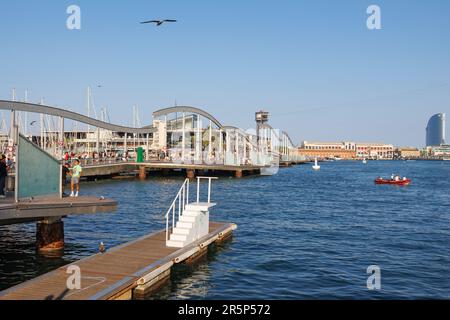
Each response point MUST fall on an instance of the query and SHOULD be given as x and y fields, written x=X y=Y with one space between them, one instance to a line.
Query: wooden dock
x=110 y=169
x=132 y=270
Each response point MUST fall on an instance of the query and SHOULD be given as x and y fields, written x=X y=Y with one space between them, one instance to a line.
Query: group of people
x=74 y=173
x=72 y=170
x=95 y=156
x=396 y=177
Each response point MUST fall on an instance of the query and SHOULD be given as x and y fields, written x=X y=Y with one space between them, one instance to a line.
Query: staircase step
x=178 y=237
x=187 y=219
x=184 y=225
x=202 y=206
x=191 y=213
x=175 y=244
x=182 y=231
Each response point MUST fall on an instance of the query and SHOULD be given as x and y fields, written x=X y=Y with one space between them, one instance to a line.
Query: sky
x=314 y=65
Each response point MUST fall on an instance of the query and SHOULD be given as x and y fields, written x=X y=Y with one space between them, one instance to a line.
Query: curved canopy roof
x=37 y=108
x=289 y=138
x=166 y=111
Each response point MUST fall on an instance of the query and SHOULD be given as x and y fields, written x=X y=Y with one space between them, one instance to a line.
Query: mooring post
x=190 y=173
x=142 y=173
x=50 y=234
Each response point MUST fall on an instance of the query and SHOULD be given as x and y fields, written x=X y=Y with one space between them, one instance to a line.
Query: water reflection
x=192 y=281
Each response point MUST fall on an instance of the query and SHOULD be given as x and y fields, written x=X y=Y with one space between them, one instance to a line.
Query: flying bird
x=158 y=22
x=32 y=122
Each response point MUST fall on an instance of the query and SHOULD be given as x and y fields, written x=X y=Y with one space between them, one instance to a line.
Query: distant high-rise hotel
x=436 y=130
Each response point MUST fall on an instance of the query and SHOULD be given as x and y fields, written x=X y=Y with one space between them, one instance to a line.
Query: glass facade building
x=436 y=130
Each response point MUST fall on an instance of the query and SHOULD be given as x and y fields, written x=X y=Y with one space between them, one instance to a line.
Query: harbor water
x=302 y=234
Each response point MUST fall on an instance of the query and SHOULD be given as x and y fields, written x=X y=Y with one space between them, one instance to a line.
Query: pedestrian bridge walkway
x=39 y=208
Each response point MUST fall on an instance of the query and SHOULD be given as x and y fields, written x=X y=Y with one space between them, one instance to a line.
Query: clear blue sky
x=313 y=64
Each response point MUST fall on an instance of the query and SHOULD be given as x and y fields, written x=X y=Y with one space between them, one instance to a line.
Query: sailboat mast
x=88 y=114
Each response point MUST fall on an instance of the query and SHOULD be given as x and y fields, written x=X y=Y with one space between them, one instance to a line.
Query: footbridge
x=184 y=136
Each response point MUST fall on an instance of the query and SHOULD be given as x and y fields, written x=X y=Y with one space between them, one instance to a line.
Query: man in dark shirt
x=3 y=175
x=65 y=171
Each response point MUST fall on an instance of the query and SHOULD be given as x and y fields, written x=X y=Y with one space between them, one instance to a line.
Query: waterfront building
x=435 y=131
x=374 y=150
x=442 y=151
x=407 y=152
x=82 y=141
x=347 y=150
x=344 y=150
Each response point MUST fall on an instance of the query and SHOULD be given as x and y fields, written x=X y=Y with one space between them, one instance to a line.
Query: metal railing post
x=173 y=216
x=187 y=194
x=179 y=205
x=209 y=190
x=198 y=189
x=167 y=226
x=184 y=196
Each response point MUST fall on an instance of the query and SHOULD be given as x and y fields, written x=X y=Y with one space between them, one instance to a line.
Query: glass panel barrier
x=39 y=173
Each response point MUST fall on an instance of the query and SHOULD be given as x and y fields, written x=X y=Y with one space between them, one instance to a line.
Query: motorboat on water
x=395 y=180
x=316 y=165
x=364 y=161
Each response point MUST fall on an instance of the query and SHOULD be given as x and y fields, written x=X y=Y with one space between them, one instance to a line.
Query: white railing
x=181 y=200
x=209 y=187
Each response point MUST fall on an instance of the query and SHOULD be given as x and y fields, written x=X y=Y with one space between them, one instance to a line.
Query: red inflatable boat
x=401 y=182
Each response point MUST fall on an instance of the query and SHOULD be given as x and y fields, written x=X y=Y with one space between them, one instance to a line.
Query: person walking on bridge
x=76 y=175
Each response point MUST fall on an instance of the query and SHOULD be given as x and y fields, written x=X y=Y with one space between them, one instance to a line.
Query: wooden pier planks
x=105 y=275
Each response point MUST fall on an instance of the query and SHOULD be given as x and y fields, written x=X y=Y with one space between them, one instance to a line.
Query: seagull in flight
x=159 y=22
x=32 y=122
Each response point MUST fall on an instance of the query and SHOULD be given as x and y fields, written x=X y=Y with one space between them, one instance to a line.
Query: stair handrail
x=183 y=199
x=209 y=187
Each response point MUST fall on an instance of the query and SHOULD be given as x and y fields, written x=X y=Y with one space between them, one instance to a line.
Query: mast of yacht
x=89 y=115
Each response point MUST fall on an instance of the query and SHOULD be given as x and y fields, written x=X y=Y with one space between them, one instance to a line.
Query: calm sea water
x=301 y=234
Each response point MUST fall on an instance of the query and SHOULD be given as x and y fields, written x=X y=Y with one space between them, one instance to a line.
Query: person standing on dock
x=3 y=175
x=76 y=175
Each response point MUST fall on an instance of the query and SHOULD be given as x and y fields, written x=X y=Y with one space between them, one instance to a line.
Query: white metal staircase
x=187 y=222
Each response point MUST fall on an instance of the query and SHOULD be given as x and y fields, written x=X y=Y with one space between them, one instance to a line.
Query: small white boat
x=316 y=166
x=364 y=161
